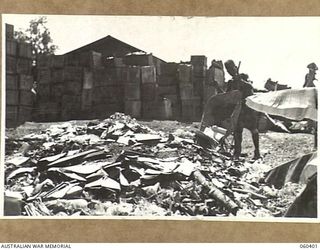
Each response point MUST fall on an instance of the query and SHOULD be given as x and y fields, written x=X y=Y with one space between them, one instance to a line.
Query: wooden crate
x=11 y=47
x=148 y=74
x=48 y=111
x=133 y=108
x=11 y=123
x=149 y=109
x=12 y=97
x=118 y=76
x=71 y=102
x=198 y=85
x=175 y=105
x=11 y=64
x=24 y=50
x=73 y=87
x=44 y=91
x=199 y=60
x=44 y=61
x=57 y=75
x=71 y=60
x=186 y=91
x=106 y=94
x=138 y=60
x=112 y=62
x=149 y=91
x=24 y=66
x=12 y=112
x=191 y=110
x=9 y=31
x=25 y=82
x=12 y=81
x=159 y=109
x=57 y=91
x=86 y=99
x=44 y=76
x=72 y=73
x=167 y=90
x=134 y=74
x=165 y=109
x=91 y=59
x=122 y=74
x=25 y=114
x=199 y=71
x=169 y=69
x=132 y=91
x=164 y=80
x=25 y=98
x=57 y=61
x=87 y=79
x=102 y=78
x=185 y=73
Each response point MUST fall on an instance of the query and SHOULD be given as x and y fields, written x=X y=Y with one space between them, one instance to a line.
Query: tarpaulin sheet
x=295 y=104
x=297 y=171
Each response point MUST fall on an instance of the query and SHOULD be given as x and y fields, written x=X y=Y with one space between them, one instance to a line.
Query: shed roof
x=105 y=41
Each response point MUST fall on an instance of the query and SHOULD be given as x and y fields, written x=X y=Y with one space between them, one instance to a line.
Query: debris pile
x=120 y=167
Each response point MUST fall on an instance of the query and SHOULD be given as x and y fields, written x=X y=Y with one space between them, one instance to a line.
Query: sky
x=279 y=48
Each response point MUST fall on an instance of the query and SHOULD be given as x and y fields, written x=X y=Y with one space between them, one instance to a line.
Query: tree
x=39 y=36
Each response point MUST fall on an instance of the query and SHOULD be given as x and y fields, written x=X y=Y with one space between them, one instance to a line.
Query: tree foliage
x=39 y=36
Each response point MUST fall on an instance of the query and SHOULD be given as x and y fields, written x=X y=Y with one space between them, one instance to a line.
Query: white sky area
x=279 y=48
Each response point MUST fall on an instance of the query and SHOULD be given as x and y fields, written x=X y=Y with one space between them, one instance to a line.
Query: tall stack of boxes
x=49 y=78
x=149 y=87
x=140 y=90
x=19 y=80
x=65 y=85
x=168 y=89
x=199 y=76
x=132 y=92
x=186 y=91
x=215 y=74
x=192 y=79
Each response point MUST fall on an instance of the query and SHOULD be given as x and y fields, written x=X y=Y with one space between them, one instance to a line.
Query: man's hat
x=229 y=64
x=312 y=66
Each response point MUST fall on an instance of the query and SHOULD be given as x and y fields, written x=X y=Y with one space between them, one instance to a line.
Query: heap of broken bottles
x=119 y=167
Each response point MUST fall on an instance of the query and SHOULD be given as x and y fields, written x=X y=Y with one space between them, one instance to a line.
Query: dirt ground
x=276 y=148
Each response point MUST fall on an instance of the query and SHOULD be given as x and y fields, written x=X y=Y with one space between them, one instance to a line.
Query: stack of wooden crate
x=149 y=88
x=49 y=78
x=168 y=89
x=107 y=92
x=199 y=64
x=132 y=92
x=66 y=85
x=190 y=103
x=19 y=80
x=214 y=78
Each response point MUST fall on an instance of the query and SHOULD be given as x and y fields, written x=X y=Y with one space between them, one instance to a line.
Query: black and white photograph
x=211 y=118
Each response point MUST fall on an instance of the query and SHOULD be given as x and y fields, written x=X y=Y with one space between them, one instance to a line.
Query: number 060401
x=308 y=246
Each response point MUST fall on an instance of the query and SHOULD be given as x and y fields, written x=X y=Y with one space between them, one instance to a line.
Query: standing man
x=248 y=118
x=308 y=83
x=310 y=76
